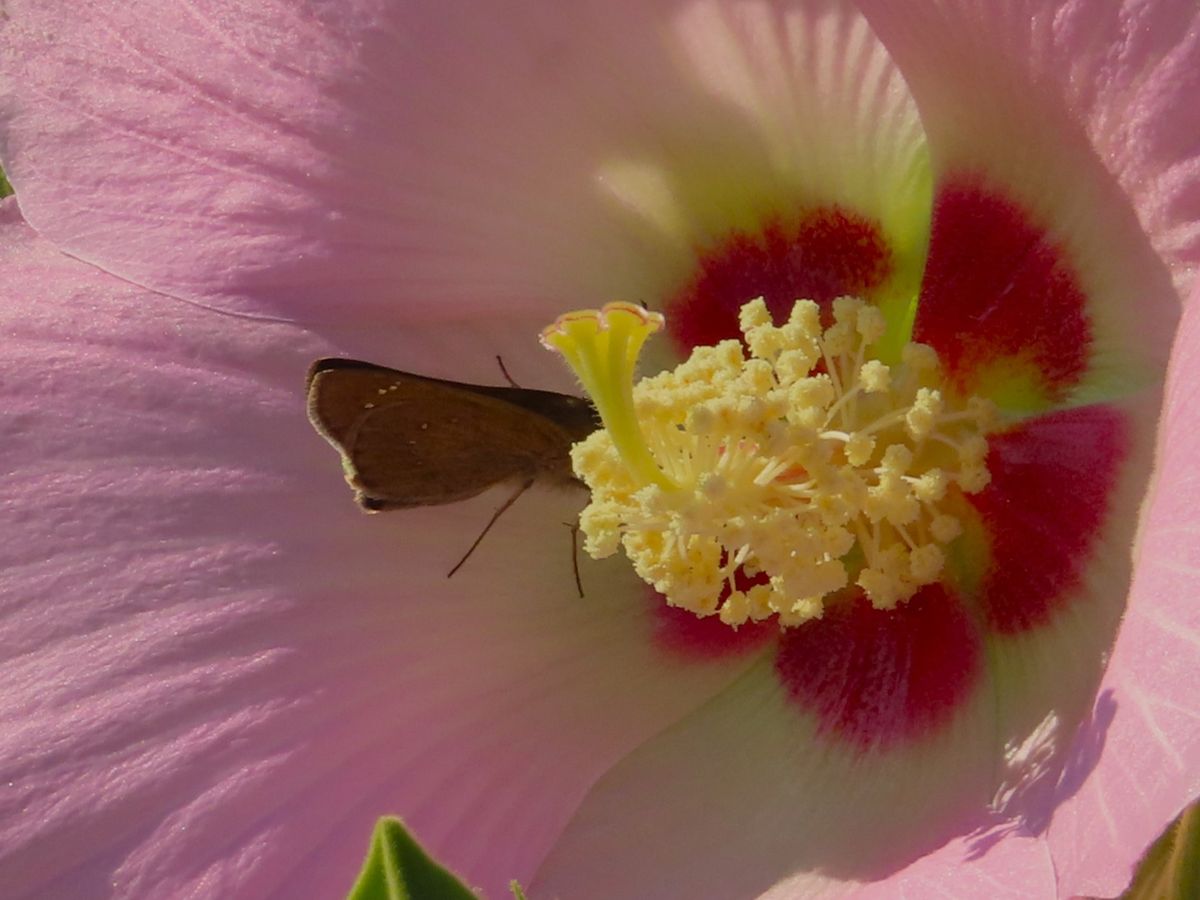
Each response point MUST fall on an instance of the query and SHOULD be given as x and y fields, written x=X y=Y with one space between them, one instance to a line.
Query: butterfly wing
x=407 y=440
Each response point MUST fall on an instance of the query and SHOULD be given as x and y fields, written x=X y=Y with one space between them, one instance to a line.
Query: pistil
x=808 y=461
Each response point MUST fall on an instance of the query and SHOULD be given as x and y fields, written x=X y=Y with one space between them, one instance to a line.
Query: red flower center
x=1002 y=305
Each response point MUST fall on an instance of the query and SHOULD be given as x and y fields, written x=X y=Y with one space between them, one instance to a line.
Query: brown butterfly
x=407 y=440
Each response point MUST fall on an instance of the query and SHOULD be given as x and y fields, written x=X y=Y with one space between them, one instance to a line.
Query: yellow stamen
x=810 y=462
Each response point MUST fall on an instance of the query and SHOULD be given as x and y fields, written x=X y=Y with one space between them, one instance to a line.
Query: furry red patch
x=826 y=254
x=1051 y=481
x=876 y=677
x=998 y=291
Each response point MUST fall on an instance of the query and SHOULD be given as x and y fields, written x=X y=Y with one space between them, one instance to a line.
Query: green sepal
x=398 y=868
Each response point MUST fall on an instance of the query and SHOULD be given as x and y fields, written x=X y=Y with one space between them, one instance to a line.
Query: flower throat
x=808 y=464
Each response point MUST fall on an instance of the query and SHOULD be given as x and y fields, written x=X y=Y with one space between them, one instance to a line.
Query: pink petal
x=1053 y=618
x=769 y=801
x=996 y=90
x=1145 y=749
x=1016 y=868
x=218 y=672
x=1086 y=113
x=318 y=161
x=300 y=160
x=1134 y=77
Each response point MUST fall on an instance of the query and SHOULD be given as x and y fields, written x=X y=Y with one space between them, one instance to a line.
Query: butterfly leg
x=574 y=526
x=492 y=521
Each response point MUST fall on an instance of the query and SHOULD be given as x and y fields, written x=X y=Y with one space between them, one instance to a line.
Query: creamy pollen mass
x=808 y=465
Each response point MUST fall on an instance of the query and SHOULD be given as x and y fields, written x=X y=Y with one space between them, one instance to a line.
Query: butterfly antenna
x=492 y=521
x=507 y=377
x=574 y=526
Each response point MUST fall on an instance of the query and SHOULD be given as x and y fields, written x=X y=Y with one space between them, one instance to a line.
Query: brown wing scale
x=407 y=440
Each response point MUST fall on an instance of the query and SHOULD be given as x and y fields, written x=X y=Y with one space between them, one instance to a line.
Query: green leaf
x=1170 y=870
x=5 y=187
x=397 y=868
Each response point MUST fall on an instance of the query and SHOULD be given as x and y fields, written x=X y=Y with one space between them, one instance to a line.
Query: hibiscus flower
x=219 y=673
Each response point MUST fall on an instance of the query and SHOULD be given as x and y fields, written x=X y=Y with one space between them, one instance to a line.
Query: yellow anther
x=897 y=459
x=920 y=358
x=874 y=376
x=758 y=599
x=794 y=365
x=885 y=579
x=809 y=461
x=846 y=310
x=816 y=390
x=757 y=378
x=931 y=487
x=802 y=611
x=973 y=450
x=807 y=315
x=923 y=414
x=736 y=609
x=839 y=339
x=837 y=542
x=859 y=449
x=754 y=315
x=973 y=479
x=925 y=563
x=945 y=528
x=984 y=412
x=871 y=324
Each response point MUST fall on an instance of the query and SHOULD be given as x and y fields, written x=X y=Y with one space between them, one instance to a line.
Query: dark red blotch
x=996 y=288
x=1052 y=478
x=822 y=255
x=874 y=678
x=684 y=634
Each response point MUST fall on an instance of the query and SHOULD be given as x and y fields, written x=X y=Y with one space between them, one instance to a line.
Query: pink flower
x=218 y=673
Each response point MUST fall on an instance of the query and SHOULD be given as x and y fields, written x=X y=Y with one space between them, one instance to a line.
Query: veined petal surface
x=770 y=801
x=370 y=164
x=1075 y=274
x=1023 y=185
x=317 y=162
x=218 y=672
x=1146 y=733
x=310 y=160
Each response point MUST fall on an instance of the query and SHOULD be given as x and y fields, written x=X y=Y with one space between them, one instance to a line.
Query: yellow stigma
x=602 y=347
x=811 y=464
